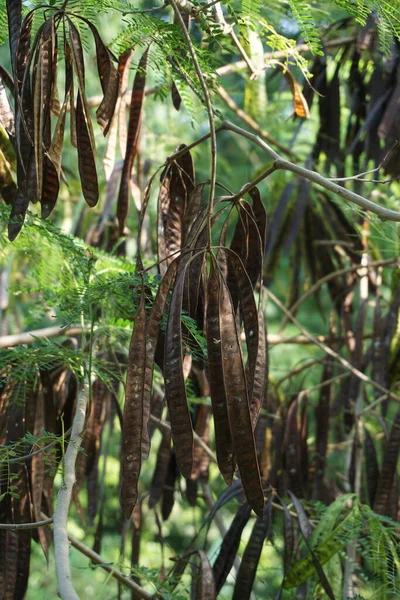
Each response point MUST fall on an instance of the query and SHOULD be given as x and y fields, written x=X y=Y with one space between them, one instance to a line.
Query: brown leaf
x=256 y=347
x=84 y=130
x=176 y=187
x=239 y=246
x=384 y=492
x=300 y=106
x=17 y=216
x=124 y=62
x=169 y=487
x=176 y=97
x=257 y=237
x=205 y=586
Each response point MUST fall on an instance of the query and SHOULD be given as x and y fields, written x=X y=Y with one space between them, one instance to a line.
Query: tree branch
x=28 y=337
x=109 y=568
x=280 y=163
x=242 y=66
x=252 y=123
x=21 y=526
x=362 y=376
x=66 y=589
x=318 y=284
x=207 y=100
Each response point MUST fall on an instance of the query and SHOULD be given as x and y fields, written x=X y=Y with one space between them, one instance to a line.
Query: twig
x=28 y=337
x=109 y=568
x=252 y=123
x=285 y=165
x=197 y=438
x=314 y=288
x=228 y=30
x=207 y=100
x=323 y=384
x=242 y=66
x=331 y=352
x=66 y=589
x=20 y=526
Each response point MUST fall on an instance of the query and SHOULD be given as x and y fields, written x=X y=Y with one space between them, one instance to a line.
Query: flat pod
x=133 y=422
x=238 y=403
x=255 y=337
x=252 y=554
x=223 y=437
x=230 y=545
x=109 y=80
x=175 y=389
x=135 y=119
x=84 y=131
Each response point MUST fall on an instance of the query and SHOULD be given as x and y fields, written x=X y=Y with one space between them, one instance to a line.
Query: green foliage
x=303 y=14
x=3 y=23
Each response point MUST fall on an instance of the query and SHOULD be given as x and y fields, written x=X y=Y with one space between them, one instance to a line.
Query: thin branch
x=28 y=337
x=324 y=383
x=362 y=376
x=109 y=568
x=228 y=30
x=242 y=66
x=66 y=589
x=383 y=213
x=196 y=437
x=318 y=284
x=24 y=457
x=252 y=123
x=21 y=526
x=207 y=100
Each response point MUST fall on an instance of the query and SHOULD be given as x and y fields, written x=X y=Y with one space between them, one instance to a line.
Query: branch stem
x=66 y=589
x=207 y=101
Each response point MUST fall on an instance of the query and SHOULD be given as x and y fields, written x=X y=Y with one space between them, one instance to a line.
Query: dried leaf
x=300 y=106
x=384 y=492
x=124 y=62
x=176 y=97
x=306 y=531
x=84 y=131
x=14 y=14
x=205 y=587
x=169 y=487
